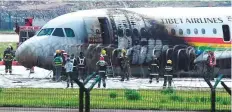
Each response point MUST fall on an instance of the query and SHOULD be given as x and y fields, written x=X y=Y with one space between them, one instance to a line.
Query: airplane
x=176 y=33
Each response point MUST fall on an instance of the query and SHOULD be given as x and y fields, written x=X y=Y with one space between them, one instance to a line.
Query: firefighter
x=32 y=70
x=8 y=58
x=62 y=53
x=124 y=65
x=101 y=67
x=69 y=71
x=74 y=61
x=58 y=62
x=103 y=53
x=154 y=69
x=211 y=62
x=54 y=69
x=81 y=66
x=168 y=73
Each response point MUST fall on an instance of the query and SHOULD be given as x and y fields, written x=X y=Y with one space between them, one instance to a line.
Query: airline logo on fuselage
x=193 y=20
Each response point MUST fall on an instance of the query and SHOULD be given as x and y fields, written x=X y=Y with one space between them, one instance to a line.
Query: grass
x=4 y=45
x=150 y=99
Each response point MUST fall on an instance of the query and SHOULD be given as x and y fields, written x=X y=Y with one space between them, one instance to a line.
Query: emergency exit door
x=226 y=33
x=105 y=34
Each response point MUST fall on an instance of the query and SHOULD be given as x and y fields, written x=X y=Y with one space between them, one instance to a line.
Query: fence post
x=226 y=87
x=213 y=91
x=87 y=101
x=86 y=90
x=213 y=98
x=81 y=102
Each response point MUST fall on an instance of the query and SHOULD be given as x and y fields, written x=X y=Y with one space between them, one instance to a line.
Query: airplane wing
x=218 y=54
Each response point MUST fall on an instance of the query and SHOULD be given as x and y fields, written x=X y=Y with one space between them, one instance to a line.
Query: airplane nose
x=25 y=54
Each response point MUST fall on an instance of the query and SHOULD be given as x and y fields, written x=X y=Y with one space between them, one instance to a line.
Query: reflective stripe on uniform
x=168 y=68
x=8 y=57
x=102 y=71
x=154 y=74
x=153 y=64
x=168 y=75
x=81 y=61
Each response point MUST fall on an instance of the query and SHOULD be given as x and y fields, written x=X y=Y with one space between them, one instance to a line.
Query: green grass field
x=4 y=45
x=100 y=99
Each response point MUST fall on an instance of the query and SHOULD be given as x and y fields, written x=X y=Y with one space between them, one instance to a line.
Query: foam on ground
x=42 y=79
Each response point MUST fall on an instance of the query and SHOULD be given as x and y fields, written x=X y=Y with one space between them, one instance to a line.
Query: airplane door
x=226 y=33
x=105 y=34
x=93 y=30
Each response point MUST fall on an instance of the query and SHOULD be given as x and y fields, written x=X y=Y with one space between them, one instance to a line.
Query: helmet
x=123 y=51
x=72 y=55
x=62 y=51
x=103 y=52
x=81 y=53
x=211 y=53
x=102 y=58
x=169 y=61
x=57 y=51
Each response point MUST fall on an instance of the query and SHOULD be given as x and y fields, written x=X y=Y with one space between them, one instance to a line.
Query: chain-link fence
x=166 y=99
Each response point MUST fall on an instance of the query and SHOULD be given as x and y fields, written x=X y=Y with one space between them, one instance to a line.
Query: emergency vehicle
x=25 y=32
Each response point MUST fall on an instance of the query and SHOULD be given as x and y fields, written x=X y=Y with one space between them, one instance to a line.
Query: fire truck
x=25 y=32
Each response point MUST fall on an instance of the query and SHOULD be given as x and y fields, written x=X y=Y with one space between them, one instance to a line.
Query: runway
x=42 y=79
x=9 y=38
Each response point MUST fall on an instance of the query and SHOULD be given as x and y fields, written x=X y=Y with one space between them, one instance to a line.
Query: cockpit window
x=58 y=32
x=69 y=32
x=46 y=31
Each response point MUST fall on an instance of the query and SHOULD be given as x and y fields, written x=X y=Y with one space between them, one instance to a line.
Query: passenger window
x=173 y=32
x=195 y=31
x=203 y=31
x=188 y=31
x=58 y=32
x=143 y=32
x=180 y=31
x=215 y=31
x=128 y=32
x=135 y=32
x=69 y=32
x=120 y=32
x=166 y=31
x=226 y=32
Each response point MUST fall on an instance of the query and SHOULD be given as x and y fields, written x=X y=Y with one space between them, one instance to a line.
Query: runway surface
x=42 y=79
x=9 y=38
x=6 y=109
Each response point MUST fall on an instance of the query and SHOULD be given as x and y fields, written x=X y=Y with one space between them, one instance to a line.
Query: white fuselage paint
x=172 y=18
